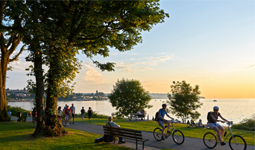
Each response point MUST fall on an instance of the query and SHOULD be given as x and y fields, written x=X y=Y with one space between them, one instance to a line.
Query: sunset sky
x=205 y=43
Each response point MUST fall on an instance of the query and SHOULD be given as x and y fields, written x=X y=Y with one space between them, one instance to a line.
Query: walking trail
x=152 y=144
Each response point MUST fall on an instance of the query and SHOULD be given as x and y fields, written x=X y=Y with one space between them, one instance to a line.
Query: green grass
x=149 y=126
x=18 y=135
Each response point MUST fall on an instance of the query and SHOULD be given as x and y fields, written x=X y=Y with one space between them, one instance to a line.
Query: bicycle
x=235 y=141
x=177 y=135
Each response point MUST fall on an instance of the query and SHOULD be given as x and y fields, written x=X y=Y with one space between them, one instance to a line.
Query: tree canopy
x=184 y=100
x=56 y=30
x=128 y=96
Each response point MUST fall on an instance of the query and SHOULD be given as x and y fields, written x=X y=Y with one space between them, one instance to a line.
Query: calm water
x=231 y=109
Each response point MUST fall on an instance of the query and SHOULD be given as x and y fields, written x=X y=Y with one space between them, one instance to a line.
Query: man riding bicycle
x=161 y=121
x=212 y=122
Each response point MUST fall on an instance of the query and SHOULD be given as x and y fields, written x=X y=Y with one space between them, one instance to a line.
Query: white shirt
x=113 y=124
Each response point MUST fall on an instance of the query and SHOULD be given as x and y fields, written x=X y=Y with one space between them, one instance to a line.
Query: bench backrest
x=122 y=132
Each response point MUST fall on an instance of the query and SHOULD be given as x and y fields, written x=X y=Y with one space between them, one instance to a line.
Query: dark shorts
x=72 y=115
x=90 y=116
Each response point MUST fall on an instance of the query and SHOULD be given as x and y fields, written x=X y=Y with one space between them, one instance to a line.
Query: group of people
x=69 y=113
x=212 y=122
x=193 y=124
x=141 y=114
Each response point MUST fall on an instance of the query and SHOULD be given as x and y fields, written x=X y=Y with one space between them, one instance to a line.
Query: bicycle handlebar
x=228 y=123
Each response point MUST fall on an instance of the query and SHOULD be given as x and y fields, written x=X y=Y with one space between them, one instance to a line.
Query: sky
x=205 y=43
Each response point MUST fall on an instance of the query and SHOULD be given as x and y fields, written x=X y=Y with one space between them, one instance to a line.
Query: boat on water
x=214 y=99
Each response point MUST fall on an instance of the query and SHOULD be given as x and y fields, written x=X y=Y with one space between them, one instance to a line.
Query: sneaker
x=222 y=143
x=162 y=138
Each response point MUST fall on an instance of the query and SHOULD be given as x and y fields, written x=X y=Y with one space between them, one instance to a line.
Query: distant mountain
x=158 y=95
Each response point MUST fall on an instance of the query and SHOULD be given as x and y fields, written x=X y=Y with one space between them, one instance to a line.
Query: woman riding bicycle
x=212 y=122
x=161 y=113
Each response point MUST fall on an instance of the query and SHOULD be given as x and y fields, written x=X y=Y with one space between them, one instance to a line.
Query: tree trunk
x=3 y=103
x=38 y=70
x=39 y=93
x=54 y=127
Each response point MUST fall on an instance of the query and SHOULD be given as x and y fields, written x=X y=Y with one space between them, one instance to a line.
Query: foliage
x=246 y=124
x=8 y=45
x=15 y=110
x=184 y=100
x=128 y=96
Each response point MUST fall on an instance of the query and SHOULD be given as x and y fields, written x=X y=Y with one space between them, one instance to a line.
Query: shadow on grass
x=16 y=138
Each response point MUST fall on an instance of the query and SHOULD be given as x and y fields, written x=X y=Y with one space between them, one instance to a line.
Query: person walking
x=90 y=111
x=59 y=112
x=67 y=113
x=82 y=113
x=10 y=114
x=73 y=111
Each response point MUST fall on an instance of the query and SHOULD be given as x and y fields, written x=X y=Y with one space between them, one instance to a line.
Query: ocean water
x=232 y=109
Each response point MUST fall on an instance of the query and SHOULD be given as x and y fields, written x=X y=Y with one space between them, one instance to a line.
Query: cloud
x=145 y=68
x=142 y=64
x=251 y=66
x=92 y=74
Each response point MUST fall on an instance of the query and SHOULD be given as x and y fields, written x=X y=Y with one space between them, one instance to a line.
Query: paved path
x=152 y=144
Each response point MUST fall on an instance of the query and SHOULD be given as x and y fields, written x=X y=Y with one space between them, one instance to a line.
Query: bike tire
x=209 y=137
x=178 y=137
x=241 y=147
x=157 y=133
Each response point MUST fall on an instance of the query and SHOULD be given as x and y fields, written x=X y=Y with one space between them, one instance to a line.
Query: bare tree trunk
x=39 y=93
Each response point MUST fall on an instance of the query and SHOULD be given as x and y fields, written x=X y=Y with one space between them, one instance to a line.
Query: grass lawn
x=149 y=126
x=17 y=135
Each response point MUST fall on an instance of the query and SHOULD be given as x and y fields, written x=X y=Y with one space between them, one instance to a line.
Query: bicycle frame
x=231 y=133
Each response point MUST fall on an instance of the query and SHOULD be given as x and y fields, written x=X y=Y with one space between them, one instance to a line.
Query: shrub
x=246 y=124
x=15 y=110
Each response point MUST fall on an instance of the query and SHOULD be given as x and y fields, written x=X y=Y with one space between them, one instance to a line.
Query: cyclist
x=161 y=121
x=212 y=122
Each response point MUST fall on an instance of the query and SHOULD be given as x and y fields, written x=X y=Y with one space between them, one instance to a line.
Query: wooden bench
x=125 y=133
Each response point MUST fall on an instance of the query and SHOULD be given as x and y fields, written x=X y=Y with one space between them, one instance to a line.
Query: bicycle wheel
x=157 y=133
x=178 y=137
x=210 y=140
x=237 y=143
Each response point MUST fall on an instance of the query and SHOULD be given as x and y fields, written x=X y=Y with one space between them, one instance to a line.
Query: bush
x=15 y=110
x=246 y=124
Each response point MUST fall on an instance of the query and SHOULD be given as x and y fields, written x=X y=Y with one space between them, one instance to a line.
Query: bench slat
x=123 y=132
x=131 y=130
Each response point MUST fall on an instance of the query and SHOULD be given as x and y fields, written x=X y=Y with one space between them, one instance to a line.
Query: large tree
x=9 y=41
x=58 y=29
x=93 y=27
x=128 y=96
x=184 y=100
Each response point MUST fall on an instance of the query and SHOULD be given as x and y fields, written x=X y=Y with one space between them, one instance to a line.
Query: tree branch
x=16 y=57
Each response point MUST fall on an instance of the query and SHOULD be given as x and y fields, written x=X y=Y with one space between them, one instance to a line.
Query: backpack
x=83 y=111
x=209 y=116
x=156 y=115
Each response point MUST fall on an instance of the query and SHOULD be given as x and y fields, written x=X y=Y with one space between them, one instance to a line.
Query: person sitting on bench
x=112 y=124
